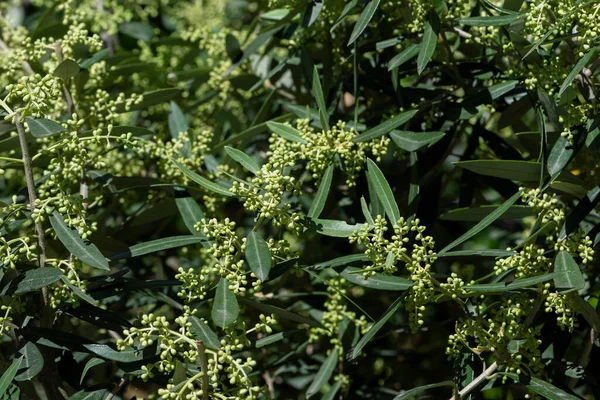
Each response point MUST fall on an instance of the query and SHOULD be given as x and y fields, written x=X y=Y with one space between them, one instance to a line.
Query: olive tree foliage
x=280 y=199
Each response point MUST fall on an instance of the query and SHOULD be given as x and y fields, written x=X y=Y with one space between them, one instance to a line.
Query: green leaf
x=258 y=256
x=405 y=55
x=581 y=211
x=484 y=223
x=242 y=158
x=410 y=394
x=189 y=209
x=559 y=156
x=137 y=30
x=500 y=287
x=225 y=309
x=318 y=203
x=324 y=374
x=285 y=314
x=8 y=375
x=89 y=365
x=429 y=42
x=232 y=47
x=355 y=351
x=567 y=272
x=385 y=127
x=202 y=181
x=365 y=210
x=496 y=20
x=153 y=246
x=100 y=394
x=524 y=171
x=363 y=20
x=333 y=228
x=313 y=9
x=477 y=213
x=317 y=92
x=38 y=278
x=330 y=395
x=42 y=127
x=66 y=70
x=177 y=122
x=96 y=57
x=584 y=308
x=202 y=332
x=339 y=261
x=347 y=9
x=413 y=141
x=577 y=69
x=275 y=15
x=78 y=292
x=276 y=337
x=287 y=132
x=544 y=389
x=481 y=253
x=378 y=281
x=383 y=190
x=32 y=361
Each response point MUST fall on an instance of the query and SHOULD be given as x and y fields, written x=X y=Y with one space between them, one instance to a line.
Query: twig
x=116 y=389
x=204 y=368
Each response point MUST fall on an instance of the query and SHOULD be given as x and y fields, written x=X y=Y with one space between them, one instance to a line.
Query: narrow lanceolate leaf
x=319 y=95
x=330 y=395
x=8 y=375
x=280 y=312
x=567 y=272
x=324 y=374
x=158 y=245
x=385 y=127
x=202 y=181
x=286 y=132
x=32 y=361
x=66 y=70
x=94 y=361
x=383 y=190
x=202 y=332
x=225 y=307
x=584 y=308
x=355 y=351
x=42 y=127
x=258 y=256
x=243 y=159
x=405 y=55
x=577 y=69
x=495 y=20
x=78 y=292
x=70 y=238
x=480 y=253
x=333 y=228
x=363 y=20
x=559 y=156
x=500 y=287
x=339 y=261
x=347 y=9
x=276 y=337
x=429 y=42
x=413 y=141
x=378 y=281
x=410 y=394
x=366 y=213
x=484 y=223
x=177 y=122
x=38 y=278
x=321 y=197
x=189 y=209
x=543 y=388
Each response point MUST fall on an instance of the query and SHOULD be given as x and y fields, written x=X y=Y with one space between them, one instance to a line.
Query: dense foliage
x=210 y=199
